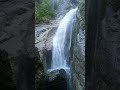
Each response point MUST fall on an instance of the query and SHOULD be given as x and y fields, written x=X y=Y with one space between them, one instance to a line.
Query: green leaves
x=82 y=13
x=44 y=11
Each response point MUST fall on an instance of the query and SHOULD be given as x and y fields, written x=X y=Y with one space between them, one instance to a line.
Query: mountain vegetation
x=44 y=11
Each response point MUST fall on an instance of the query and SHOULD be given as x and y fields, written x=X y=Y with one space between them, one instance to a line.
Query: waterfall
x=62 y=44
x=62 y=41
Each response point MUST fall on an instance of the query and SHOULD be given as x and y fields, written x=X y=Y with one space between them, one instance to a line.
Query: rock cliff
x=102 y=45
x=17 y=39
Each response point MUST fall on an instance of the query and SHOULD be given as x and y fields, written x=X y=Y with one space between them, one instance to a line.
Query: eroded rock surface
x=78 y=61
x=57 y=80
x=102 y=45
x=17 y=39
x=44 y=34
x=78 y=49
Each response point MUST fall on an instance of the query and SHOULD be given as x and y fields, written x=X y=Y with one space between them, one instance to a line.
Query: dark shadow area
x=102 y=45
x=6 y=80
x=17 y=45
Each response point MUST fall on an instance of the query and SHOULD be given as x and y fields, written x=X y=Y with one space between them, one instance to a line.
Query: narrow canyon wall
x=102 y=45
x=17 y=39
x=77 y=50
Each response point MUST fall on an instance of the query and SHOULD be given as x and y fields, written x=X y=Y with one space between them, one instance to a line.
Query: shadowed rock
x=17 y=39
x=57 y=80
x=6 y=81
x=102 y=45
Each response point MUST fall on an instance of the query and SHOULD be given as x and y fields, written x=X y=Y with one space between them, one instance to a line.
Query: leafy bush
x=44 y=11
x=82 y=13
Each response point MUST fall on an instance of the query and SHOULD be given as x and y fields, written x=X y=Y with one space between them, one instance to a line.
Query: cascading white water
x=62 y=41
x=62 y=44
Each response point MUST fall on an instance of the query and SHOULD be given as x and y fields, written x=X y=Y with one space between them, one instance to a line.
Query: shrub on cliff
x=44 y=11
x=82 y=13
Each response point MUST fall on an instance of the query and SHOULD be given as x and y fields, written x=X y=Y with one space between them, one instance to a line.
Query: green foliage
x=82 y=13
x=44 y=11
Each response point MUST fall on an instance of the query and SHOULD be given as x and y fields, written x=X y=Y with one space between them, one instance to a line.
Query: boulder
x=55 y=73
x=57 y=80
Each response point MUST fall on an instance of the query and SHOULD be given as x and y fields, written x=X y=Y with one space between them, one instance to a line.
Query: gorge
x=55 y=50
x=96 y=28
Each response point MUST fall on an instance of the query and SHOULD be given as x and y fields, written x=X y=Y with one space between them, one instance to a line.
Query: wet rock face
x=55 y=73
x=102 y=46
x=77 y=50
x=48 y=58
x=78 y=61
x=57 y=80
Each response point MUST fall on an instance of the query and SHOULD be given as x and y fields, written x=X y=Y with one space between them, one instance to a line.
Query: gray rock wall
x=78 y=65
x=17 y=39
x=77 y=50
x=102 y=45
